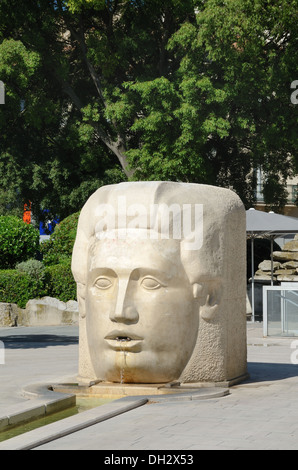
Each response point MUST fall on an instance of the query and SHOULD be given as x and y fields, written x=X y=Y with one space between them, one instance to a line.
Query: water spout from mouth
x=123 y=340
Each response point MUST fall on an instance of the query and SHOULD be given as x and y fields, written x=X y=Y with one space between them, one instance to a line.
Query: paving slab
x=260 y=413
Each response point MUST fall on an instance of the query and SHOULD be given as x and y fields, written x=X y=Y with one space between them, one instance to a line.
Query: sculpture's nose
x=125 y=310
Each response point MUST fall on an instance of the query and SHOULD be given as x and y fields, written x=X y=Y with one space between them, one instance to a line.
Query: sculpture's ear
x=212 y=293
x=197 y=290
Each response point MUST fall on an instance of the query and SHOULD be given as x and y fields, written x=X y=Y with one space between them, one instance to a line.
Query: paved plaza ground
x=261 y=413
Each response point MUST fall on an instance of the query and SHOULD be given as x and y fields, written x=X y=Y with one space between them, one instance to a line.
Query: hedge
x=60 y=282
x=34 y=279
x=19 y=287
x=60 y=245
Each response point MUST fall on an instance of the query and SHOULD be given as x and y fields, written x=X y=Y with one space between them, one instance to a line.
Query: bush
x=18 y=287
x=35 y=279
x=32 y=281
x=35 y=269
x=18 y=241
x=60 y=282
x=59 y=247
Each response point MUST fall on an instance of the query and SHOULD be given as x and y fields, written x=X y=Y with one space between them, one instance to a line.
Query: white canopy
x=261 y=224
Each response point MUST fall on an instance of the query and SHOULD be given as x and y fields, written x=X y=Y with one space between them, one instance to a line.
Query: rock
x=39 y=312
x=290 y=265
x=285 y=256
x=50 y=311
x=290 y=278
x=8 y=314
x=285 y=272
x=259 y=276
x=266 y=265
x=291 y=246
x=285 y=264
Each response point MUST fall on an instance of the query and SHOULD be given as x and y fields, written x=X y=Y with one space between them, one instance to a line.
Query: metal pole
x=272 y=261
x=252 y=280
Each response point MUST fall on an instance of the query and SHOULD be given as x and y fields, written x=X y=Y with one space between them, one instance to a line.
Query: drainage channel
x=69 y=425
x=82 y=404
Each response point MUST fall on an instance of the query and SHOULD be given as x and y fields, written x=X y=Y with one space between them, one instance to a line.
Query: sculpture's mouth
x=121 y=341
x=123 y=338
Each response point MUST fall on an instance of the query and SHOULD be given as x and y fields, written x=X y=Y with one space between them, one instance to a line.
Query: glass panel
x=290 y=306
x=282 y=312
x=274 y=313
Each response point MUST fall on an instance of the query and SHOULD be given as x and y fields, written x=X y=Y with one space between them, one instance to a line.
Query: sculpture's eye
x=103 y=283
x=151 y=283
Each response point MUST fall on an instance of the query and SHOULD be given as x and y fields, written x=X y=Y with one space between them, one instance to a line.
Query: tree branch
x=96 y=80
x=118 y=147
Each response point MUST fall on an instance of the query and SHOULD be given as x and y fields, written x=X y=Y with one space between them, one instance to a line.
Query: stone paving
x=261 y=413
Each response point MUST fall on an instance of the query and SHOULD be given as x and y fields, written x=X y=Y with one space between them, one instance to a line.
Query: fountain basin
x=109 y=390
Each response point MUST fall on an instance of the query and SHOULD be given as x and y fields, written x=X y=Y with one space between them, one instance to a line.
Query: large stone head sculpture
x=160 y=271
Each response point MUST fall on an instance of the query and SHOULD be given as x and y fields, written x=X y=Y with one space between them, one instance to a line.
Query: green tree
x=100 y=91
x=48 y=154
x=252 y=60
x=226 y=110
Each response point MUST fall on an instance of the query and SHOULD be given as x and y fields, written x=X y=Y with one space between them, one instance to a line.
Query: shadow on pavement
x=37 y=341
x=264 y=371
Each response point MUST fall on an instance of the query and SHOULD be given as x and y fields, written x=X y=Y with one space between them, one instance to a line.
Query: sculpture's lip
x=122 y=336
x=123 y=341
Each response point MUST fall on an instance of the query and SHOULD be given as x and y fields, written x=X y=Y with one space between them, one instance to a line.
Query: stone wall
x=47 y=311
x=285 y=264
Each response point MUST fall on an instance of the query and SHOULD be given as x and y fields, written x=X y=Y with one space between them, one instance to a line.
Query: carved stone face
x=142 y=318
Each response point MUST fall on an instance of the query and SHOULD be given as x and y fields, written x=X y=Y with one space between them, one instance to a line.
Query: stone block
x=263 y=276
x=285 y=256
x=266 y=265
x=290 y=265
x=291 y=246
x=49 y=311
x=285 y=272
x=8 y=314
x=288 y=278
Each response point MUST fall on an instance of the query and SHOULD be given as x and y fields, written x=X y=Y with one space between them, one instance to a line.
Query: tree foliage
x=99 y=91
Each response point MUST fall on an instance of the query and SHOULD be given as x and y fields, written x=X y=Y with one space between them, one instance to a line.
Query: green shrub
x=60 y=282
x=35 y=269
x=59 y=247
x=18 y=287
x=33 y=281
x=18 y=241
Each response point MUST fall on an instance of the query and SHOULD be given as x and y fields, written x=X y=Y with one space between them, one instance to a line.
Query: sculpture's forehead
x=136 y=253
